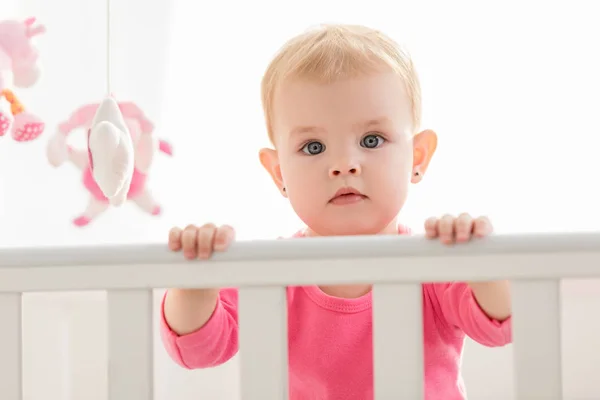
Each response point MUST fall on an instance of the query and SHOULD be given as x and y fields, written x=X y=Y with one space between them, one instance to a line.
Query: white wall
x=512 y=90
x=81 y=355
x=515 y=110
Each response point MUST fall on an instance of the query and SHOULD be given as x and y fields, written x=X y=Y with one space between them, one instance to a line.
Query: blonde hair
x=332 y=52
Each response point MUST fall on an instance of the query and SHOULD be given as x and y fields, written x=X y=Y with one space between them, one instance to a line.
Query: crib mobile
x=120 y=150
x=19 y=60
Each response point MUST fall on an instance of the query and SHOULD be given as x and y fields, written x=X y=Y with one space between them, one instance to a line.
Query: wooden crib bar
x=263 y=343
x=537 y=339
x=398 y=341
x=395 y=265
x=10 y=347
x=130 y=345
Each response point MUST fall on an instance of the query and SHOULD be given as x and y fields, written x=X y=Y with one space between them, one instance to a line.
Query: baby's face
x=354 y=134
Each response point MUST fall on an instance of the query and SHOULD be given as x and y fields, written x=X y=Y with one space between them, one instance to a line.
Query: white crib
x=262 y=269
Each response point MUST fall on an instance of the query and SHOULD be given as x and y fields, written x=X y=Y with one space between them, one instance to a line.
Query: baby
x=342 y=107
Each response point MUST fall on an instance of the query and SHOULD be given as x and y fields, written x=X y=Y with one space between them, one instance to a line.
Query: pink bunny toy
x=115 y=166
x=19 y=57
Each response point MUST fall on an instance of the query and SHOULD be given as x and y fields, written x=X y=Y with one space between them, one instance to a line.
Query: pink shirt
x=330 y=341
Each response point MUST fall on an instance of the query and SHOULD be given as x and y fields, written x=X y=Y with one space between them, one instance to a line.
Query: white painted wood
x=347 y=247
x=398 y=341
x=85 y=348
x=537 y=339
x=130 y=345
x=11 y=363
x=263 y=339
x=166 y=271
x=263 y=269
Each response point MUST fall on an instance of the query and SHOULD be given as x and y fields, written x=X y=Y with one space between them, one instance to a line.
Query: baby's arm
x=480 y=309
x=199 y=326
x=187 y=310
x=493 y=298
x=457 y=305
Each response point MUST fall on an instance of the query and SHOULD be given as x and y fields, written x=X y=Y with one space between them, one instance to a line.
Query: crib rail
x=396 y=265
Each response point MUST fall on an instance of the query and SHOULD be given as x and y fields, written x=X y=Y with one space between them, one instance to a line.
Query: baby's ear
x=424 y=146
x=270 y=162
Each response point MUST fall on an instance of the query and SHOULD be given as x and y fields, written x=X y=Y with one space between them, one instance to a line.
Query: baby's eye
x=313 y=148
x=372 y=141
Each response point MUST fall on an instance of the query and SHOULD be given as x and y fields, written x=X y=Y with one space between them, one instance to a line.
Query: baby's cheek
x=392 y=188
x=305 y=190
x=305 y=197
x=306 y=208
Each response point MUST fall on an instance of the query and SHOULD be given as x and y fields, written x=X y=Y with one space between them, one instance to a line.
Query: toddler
x=342 y=108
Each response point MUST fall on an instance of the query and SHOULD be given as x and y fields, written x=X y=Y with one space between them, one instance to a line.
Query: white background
x=512 y=88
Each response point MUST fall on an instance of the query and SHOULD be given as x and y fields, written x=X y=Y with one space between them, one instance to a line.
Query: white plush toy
x=111 y=153
x=115 y=164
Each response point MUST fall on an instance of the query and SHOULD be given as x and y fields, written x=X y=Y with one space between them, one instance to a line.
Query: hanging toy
x=19 y=57
x=115 y=166
x=110 y=152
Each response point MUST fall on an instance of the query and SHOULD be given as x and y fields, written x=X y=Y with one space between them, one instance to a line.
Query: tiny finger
x=463 y=227
x=482 y=227
x=223 y=237
x=205 y=240
x=431 y=230
x=175 y=239
x=188 y=241
x=446 y=228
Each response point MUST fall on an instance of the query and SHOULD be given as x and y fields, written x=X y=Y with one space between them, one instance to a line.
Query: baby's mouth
x=346 y=196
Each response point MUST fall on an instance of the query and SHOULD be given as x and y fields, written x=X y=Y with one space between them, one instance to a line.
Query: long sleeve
x=459 y=308
x=213 y=344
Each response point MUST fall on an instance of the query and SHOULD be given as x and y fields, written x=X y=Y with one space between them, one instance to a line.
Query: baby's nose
x=345 y=169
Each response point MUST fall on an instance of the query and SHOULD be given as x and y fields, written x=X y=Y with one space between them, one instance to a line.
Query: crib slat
x=11 y=363
x=263 y=340
x=130 y=345
x=398 y=341
x=537 y=339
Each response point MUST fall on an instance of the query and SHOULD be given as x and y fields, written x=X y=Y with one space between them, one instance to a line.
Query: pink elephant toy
x=145 y=146
x=19 y=57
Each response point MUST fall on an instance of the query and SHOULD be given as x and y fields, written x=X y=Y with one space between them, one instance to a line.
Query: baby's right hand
x=200 y=242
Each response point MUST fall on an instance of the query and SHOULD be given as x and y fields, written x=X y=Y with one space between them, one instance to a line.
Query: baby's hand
x=450 y=229
x=200 y=242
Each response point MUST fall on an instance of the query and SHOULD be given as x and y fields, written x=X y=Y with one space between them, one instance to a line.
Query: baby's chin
x=353 y=227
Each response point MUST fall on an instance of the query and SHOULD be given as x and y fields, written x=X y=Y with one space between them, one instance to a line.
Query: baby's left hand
x=450 y=229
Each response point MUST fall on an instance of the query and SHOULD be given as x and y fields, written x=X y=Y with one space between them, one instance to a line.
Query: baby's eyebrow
x=300 y=130
x=375 y=122
x=361 y=125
